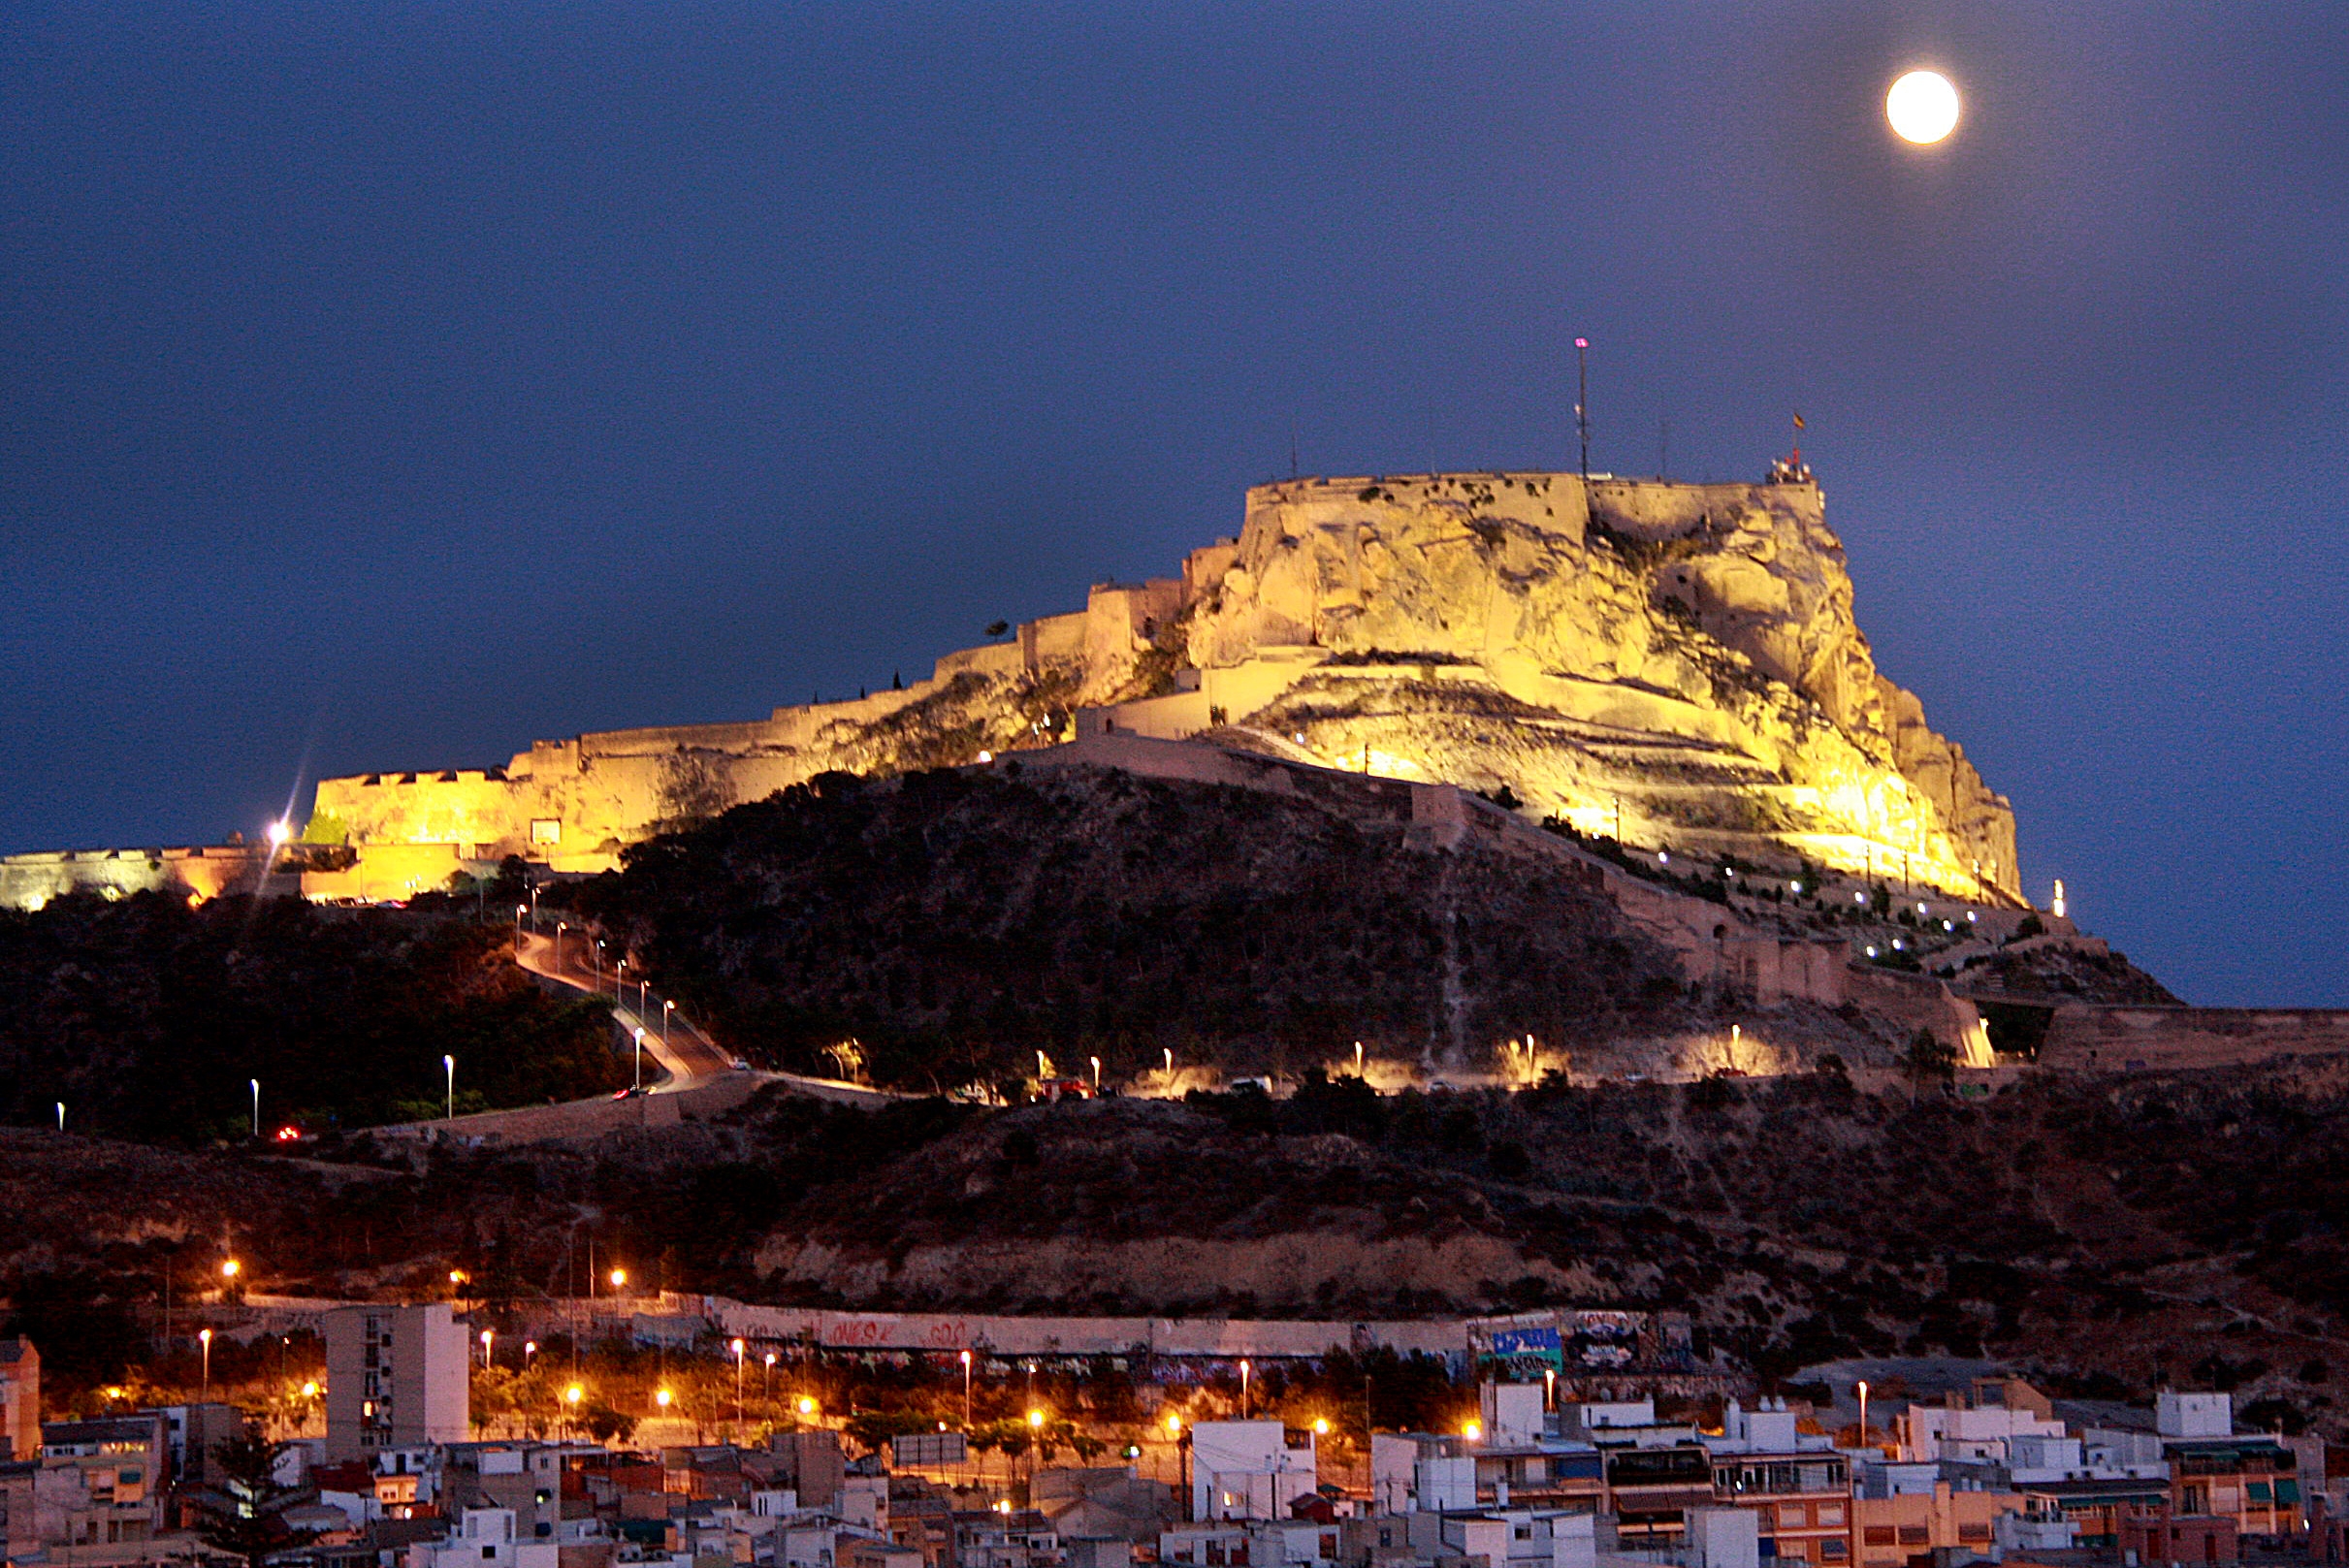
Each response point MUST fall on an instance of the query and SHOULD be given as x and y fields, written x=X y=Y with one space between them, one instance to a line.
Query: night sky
x=386 y=386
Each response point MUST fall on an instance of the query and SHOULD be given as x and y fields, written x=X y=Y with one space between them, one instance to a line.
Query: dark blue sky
x=389 y=385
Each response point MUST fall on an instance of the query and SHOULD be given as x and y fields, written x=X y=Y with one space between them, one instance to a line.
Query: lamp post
x=516 y=930
x=560 y=926
x=1243 y=1389
x=1096 y=1061
x=204 y=1336
x=766 y=1387
x=966 y=1390
x=738 y=1350
x=450 y=1064
x=640 y=1056
x=1863 y=1413
x=667 y=1007
x=487 y=1361
x=256 y=1083
x=620 y=971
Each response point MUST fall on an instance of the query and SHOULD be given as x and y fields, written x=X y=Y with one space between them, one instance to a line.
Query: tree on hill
x=244 y=1513
x=1930 y=1060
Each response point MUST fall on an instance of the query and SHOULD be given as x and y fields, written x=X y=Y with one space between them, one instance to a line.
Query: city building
x=1795 y=1484
x=484 y=1538
x=1249 y=1469
x=1903 y=1524
x=101 y=1485
x=396 y=1377
x=19 y=1399
x=190 y=1435
x=20 y=1525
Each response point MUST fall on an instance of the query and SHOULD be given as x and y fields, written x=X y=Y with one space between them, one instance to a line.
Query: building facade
x=396 y=1377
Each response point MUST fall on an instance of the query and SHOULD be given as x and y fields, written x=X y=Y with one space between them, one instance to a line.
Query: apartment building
x=396 y=1377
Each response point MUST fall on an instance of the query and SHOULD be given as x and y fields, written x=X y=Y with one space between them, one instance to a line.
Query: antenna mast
x=1582 y=400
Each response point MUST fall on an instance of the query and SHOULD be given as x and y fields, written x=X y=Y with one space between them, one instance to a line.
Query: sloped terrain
x=2107 y=1233
x=954 y=924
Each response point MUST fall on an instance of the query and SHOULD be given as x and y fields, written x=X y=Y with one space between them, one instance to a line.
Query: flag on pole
x=1798 y=421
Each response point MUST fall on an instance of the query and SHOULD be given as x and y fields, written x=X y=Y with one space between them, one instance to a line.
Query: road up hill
x=954 y=923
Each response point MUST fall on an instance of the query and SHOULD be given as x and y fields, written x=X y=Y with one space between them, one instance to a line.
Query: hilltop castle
x=1674 y=663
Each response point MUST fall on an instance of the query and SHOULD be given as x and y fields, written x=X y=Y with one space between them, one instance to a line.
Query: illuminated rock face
x=1684 y=653
x=1681 y=658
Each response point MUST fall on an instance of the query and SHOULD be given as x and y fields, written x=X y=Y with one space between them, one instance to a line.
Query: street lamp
x=204 y=1337
x=620 y=1278
x=256 y=1083
x=807 y=1406
x=667 y=1007
x=229 y=1272
x=1864 y=1412
x=640 y=1056
x=1096 y=1061
x=766 y=1389
x=738 y=1350
x=487 y=1334
x=450 y=1063
x=530 y=1348
x=966 y=1390
x=1244 y=1369
x=661 y=1397
x=560 y=926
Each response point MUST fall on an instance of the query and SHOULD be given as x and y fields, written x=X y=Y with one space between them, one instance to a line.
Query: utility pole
x=1582 y=400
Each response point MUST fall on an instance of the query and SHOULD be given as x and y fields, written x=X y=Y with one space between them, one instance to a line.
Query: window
x=1974 y=1532
x=546 y=830
x=1791 y=1517
x=1833 y=1550
x=1830 y=1513
x=1915 y=1535
x=1879 y=1535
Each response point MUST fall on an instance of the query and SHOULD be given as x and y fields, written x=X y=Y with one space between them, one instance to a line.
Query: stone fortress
x=1677 y=664
x=1673 y=666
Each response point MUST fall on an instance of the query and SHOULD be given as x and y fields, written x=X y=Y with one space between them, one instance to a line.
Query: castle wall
x=2089 y=1037
x=1657 y=509
x=27 y=881
x=1486 y=574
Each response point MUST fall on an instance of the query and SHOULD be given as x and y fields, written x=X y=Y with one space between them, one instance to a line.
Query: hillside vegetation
x=149 y=1019
x=954 y=923
x=2109 y=1235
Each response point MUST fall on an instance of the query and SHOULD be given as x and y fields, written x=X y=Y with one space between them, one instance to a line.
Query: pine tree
x=245 y=1510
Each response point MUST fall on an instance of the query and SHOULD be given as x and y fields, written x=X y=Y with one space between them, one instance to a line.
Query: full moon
x=1922 y=107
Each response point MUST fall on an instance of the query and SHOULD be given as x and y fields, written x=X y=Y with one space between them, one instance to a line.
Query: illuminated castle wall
x=1678 y=659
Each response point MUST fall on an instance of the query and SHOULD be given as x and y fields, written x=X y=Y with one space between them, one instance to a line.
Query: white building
x=1248 y=1469
x=396 y=1377
x=1512 y=1411
x=484 y=1539
x=2193 y=1415
x=1932 y=1433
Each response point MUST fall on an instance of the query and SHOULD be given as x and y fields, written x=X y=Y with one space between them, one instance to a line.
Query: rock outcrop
x=1683 y=656
x=1676 y=664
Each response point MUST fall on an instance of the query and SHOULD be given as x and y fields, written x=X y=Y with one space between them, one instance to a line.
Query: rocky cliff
x=1676 y=664
x=1681 y=658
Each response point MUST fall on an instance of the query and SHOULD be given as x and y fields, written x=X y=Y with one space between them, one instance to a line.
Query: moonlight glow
x=1922 y=107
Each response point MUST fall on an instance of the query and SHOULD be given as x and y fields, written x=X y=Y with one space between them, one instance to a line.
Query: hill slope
x=957 y=922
